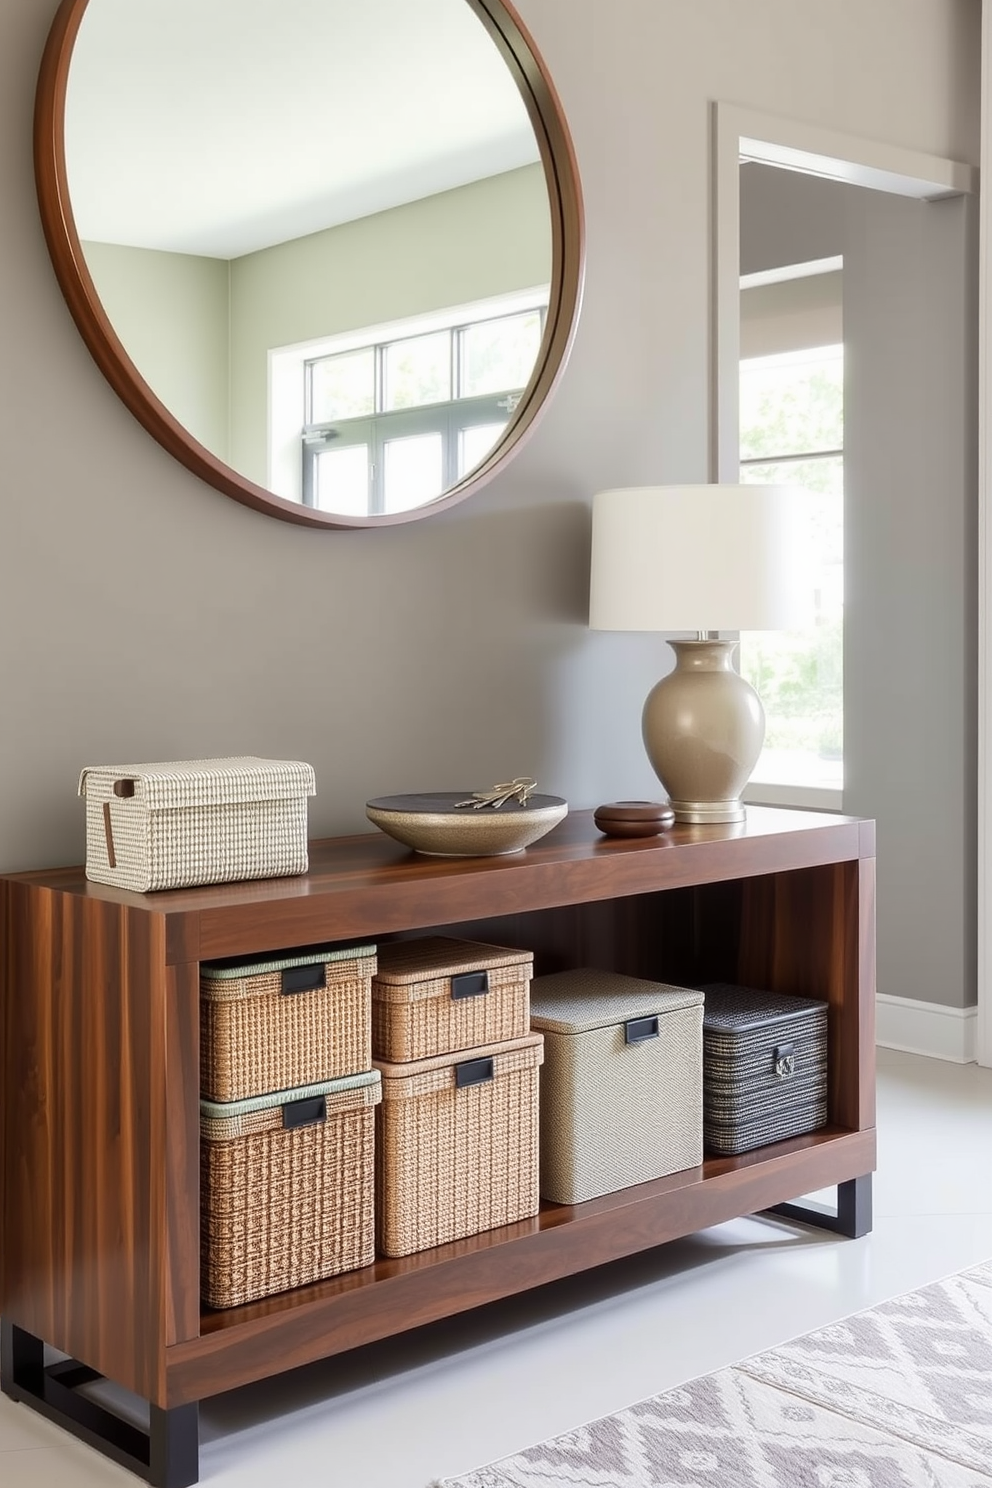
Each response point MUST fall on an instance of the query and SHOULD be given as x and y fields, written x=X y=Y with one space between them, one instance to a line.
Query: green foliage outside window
x=792 y=432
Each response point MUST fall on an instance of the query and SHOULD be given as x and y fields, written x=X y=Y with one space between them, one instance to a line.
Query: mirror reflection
x=319 y=228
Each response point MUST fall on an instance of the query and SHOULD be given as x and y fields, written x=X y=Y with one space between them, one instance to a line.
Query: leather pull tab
x=108 y=832
x=784 y=1058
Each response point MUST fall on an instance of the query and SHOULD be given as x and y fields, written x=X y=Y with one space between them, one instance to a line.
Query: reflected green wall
x=171 y=312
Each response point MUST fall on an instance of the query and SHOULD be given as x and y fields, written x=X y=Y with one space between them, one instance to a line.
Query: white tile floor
x=462 y=1393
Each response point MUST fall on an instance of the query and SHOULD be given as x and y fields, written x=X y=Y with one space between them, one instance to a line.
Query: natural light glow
x=792 y=430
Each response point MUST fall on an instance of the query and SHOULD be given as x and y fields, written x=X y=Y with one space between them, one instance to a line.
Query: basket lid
x=221 y=1110
x=531 y=1044
x=579 y=1001
x=733 y=1009
x=406 y=961
x=234 y=967
x=207 y=782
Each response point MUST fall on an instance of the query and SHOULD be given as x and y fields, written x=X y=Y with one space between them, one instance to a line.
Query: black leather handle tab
x=469 y=984
x=304 y=978
x=636 y=1030
x=473 y=1072
x=308 y=1112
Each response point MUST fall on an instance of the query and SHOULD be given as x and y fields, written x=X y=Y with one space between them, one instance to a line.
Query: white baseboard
x=927 y=1028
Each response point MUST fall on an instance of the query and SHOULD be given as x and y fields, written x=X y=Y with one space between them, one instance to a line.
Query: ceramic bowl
x=431 y=824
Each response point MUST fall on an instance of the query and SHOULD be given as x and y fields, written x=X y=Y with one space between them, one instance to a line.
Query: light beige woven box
x=457 y=1145
x=438 y=995
x=286 y=1189
x=187 y=822
x=622 y=1083
x=271 y=1023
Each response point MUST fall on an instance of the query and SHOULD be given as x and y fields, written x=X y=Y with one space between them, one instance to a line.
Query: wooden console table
x=100 y=1164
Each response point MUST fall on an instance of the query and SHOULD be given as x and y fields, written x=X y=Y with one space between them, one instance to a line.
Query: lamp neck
x=704 y=655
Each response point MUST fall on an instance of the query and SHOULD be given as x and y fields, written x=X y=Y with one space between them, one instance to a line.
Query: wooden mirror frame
x=568 y=250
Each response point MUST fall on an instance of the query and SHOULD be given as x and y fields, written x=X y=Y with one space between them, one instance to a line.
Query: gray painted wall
x=145 y=616
x=911 y=616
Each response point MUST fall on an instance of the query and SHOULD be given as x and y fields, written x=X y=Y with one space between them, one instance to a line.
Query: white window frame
x=287 y=371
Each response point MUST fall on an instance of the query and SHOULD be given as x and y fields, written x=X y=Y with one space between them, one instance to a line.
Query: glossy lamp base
x=703 y=728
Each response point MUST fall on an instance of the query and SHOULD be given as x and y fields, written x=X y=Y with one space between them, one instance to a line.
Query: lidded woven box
x=621 y=1087
x=764 y=1067
x=438 y=995
x=185 y=822
x=274 y=1022
x=457 y=1140
x=286 y=1188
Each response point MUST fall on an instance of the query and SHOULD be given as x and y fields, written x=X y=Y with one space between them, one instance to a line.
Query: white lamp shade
x=703 y=558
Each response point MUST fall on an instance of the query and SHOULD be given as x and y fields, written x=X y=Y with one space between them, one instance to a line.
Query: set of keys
x=519 y=790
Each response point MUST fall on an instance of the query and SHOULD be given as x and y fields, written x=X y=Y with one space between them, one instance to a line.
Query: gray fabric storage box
x=621 y=1084
x=764 y=1067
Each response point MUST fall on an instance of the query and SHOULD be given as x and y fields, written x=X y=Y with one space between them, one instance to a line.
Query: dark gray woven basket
x=764 y=1067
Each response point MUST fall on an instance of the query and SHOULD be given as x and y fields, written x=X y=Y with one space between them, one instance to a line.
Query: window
x=393 y=424
x=792 y=431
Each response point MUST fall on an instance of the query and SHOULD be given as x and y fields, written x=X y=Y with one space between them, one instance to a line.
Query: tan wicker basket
x=457 y=1145
x=185 y=822
x=272 y=1023
x=284 y=1204
x=439 y=995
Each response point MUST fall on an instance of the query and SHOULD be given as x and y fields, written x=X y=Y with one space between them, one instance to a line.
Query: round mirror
x=328 y=252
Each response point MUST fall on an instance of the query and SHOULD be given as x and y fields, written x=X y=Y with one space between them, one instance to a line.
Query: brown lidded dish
x=633 y=818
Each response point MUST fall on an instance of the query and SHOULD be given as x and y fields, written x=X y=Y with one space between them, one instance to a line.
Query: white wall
x=146 y=616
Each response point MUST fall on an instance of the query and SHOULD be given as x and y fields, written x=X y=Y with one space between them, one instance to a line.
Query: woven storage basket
x=764 y=1067
x=283 y=1204
x=278 y=1022
x=438 y=995
x=457 y=1145
x=621 y=1087
x=187 y=822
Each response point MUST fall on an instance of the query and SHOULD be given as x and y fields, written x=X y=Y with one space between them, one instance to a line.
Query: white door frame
x=773 y=140
x=985 y=568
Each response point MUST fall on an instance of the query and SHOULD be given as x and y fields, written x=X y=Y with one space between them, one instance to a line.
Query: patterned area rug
x=899 y=1396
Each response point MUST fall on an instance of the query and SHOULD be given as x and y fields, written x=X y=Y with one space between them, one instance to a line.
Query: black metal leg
x=166 y=1455
x=853 y=1217
x=174 y=1446
x=22 y=1361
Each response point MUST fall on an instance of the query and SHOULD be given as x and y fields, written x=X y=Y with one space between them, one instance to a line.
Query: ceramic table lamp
x=706 y=558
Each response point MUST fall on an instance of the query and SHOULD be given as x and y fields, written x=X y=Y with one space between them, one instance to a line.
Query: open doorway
x=905 y=227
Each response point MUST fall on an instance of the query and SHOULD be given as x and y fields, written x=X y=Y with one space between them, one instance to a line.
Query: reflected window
x=413 y=471
x=343 y=387
x=342 y=480
x=406 y=419
x=792 y=432
x=474 y=445
x=417 y=371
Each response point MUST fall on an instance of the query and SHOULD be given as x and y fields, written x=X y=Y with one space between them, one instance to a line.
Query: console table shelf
x=100 y=1167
